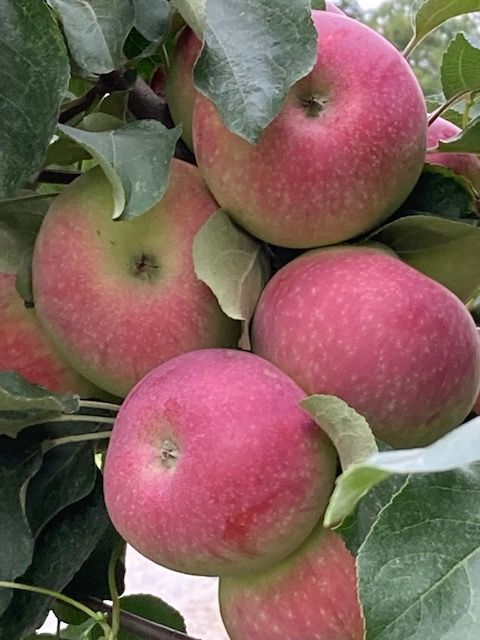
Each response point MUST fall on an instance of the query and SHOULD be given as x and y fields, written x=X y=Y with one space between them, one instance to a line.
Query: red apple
x=26 y=349
x=119 y=298
x=359 y=323
x=213 y=468
x=310 y=595
x=476 y=406
x=342 y=155
x=329 y=6
x=465 y=164
x=181 y=91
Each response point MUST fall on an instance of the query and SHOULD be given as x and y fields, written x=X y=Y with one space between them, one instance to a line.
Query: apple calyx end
x=314 y=105
x=169 y=454
x=144 y=267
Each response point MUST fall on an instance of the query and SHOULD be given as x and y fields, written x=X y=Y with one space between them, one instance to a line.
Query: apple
x=213 y=468
x=311 y=594
x=119 y=298
x=329 y=6
x=181 y=91
x=344 y=152
x=360 y=324
x=465 y=164
x=476 y=406
x=27 y=350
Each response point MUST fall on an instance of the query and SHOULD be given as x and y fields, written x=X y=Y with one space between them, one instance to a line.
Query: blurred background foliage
x=392 y=19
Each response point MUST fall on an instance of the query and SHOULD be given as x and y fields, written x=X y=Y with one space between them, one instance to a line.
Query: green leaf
x=194 y=14
x=33 y=78
x=418 y=567
x=432 y=13
x=355 y=528
x=441 y=192
x=23 y=404
x=67 y=475
x=460 y=66
x=61 y=548
x=82 y=631
x=444 y=250
x=459 y=448
x=318 y=4
x=96 y=31
x=347 y=429
x=152 y=20
x=467 y=141
x=92 y=576
x=151 y=608
x=248 y=78
x=232 y=264
x=20 y=220
x=136 y=160
x=18 y=463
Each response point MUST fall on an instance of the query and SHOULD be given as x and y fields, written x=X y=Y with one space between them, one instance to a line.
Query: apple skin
x=465 y=164
x=358 y=323
x=27 y=350
x=249 y=477
x=311 y=594
x=315 y=179
x=119 y=298
x=181 y=91
x=476 y=406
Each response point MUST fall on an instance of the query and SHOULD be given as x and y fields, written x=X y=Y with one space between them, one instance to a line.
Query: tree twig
x=135 y=624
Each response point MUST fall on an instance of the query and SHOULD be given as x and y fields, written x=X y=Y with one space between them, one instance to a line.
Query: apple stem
x=446 y=105
x=410 y=47
x=83 y=437
x=99 y=617
x=97 y=404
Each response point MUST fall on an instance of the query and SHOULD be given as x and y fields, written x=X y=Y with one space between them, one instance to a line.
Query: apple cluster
x=212 y=467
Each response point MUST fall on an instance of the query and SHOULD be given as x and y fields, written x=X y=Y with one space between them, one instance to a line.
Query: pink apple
x=329 y=6
x=26 y=349
x=213 y=468
x=119 y=298
x=358 y=323
x=181 y=91
x=465 y=164
x=342 y=155
x=310 y=595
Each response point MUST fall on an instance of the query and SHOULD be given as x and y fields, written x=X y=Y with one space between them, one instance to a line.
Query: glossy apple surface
x=465 y=164
x=26 y=349
x=342 y=155
x=360 y=324
x=312 y=595
x=212 y=467
x=119 y=298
